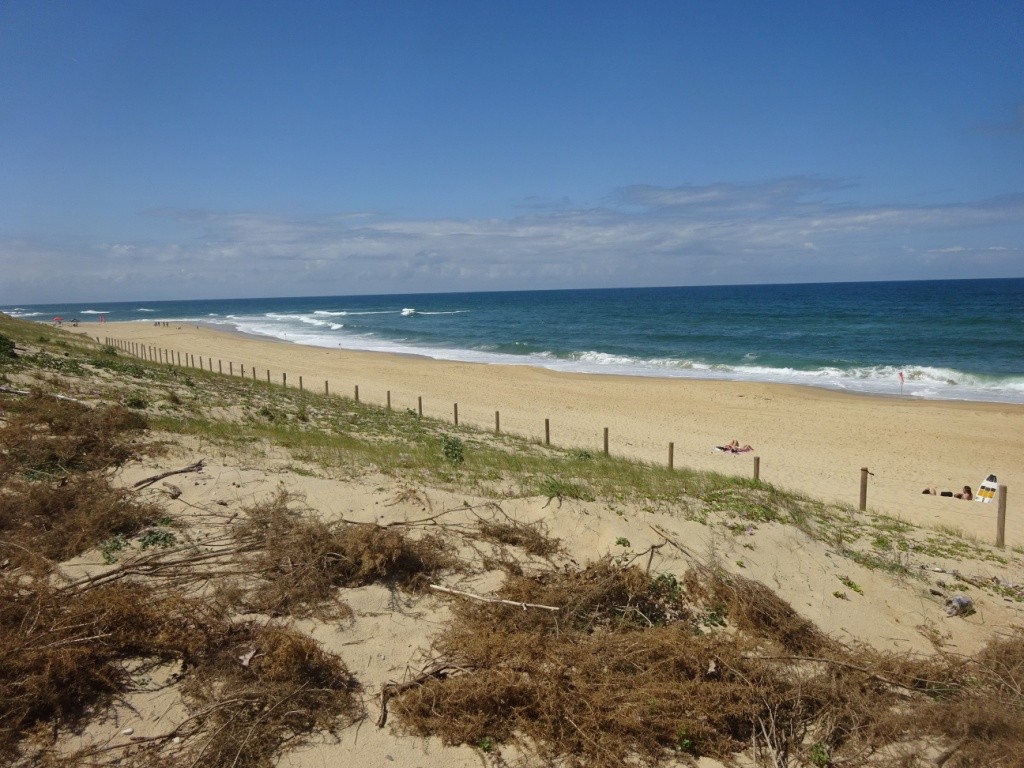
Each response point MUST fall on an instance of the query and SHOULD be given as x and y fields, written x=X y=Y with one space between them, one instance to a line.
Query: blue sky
x=228 y=149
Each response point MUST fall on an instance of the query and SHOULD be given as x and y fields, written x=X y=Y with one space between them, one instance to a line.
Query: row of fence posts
x=156 y=354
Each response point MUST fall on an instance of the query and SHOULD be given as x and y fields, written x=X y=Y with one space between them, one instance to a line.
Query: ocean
x=950 y=339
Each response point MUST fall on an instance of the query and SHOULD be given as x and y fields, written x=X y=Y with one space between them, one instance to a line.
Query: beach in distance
x=809 y=439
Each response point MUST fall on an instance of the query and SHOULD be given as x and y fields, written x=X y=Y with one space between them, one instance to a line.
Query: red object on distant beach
x=58 y=319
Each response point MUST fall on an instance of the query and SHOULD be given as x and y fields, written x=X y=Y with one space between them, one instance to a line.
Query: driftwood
x=498 y=600
x=197 y=467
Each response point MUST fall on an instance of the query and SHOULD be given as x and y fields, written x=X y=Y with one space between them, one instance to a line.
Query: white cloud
x=777 y=231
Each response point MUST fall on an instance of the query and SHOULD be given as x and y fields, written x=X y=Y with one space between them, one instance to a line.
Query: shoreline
x=809 y=439
x=961 y=383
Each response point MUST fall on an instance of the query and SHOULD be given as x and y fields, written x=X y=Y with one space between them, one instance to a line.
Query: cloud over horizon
x=782 y=230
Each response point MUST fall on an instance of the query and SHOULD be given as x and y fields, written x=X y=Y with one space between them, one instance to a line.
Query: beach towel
x=987 y=489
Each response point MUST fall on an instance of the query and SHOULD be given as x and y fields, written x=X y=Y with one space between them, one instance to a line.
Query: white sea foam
x=408 y=311
x=345 y=312
x=94 y=312
x=318 y=329
x=143 y=309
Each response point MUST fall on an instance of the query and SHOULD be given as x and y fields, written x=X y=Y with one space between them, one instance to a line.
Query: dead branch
x=152 y=565
x=436 y=670
x=197 y=467
x=692 y=558
x=845 y=665
x=432 y=520
x=498 y=600
x=26 y=393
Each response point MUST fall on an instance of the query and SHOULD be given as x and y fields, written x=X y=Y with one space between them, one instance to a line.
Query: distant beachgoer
x=733 y=446
x=966 y=494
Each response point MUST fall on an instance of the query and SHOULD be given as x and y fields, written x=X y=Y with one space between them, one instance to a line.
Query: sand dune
x=808 y=440
x=811 y=440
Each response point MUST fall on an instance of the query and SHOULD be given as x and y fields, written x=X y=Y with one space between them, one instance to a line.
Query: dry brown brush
x=532 y=538
x=46 y=436
x=41 y=522
x=249 y=689
x=301 y=560
x=256 y=691
x=55 y=500
x=635 y=668
x=61 y=654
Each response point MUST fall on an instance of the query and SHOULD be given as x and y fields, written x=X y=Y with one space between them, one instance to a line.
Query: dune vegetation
x=115 y=589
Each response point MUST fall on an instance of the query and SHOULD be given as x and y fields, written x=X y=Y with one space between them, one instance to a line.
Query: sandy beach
x=811 y=440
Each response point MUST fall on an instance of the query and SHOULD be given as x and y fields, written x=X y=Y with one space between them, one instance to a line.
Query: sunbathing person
x=733 y=446
x=966 y=494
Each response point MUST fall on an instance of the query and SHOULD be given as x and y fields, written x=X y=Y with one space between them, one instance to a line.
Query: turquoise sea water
x=951 y=339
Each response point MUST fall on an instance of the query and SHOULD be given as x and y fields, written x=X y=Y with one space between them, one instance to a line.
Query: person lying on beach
x=733 y=446
x=966 y=494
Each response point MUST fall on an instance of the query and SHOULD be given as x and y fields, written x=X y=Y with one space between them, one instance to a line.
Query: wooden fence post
x=231 y=368
x=389 y=399
x=357 y=393
x=863 y=488
x=671 y=452
x=1001 y=517
x=284 y=379
x=327 y=387
x=547 y=431
x=456 y=414
x=220 y=367
x=419 y=403
x=300 y=383
x=757 y=467
x=606 y=441
x=497 y=423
